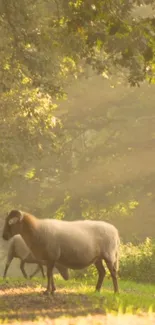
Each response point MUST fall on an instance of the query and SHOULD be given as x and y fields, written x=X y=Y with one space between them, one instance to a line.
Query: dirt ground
x=27 y=305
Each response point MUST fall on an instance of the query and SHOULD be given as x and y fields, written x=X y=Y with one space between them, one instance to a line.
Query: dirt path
x=28 y=305
x=92 y=320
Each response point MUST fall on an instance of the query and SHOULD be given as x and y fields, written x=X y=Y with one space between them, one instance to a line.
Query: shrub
x=138 y=262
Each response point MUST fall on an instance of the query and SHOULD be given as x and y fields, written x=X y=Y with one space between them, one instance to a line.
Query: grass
x=22 y=300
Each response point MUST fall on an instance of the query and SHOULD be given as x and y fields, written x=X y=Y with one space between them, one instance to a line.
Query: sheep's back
x=78 y=237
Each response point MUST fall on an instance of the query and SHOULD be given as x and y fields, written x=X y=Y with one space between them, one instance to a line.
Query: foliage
x=63 y=164
x=138 y=262
x=40 y=48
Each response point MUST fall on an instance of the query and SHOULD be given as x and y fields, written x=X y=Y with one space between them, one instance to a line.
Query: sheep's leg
x=7 y=266
x=22 y=263
x=63 y=271
x=53 y=285
x=39 y=268
x=50 y=280
x=101 y=274
x=35 y=272
x=42 y=270
x=113 y=271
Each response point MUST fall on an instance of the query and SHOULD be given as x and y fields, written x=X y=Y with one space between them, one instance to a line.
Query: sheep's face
x=12 y=224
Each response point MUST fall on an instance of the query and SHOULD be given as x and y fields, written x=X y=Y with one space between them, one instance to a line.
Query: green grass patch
x=23 y=300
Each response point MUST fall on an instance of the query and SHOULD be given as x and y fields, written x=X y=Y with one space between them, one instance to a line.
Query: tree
x=44 y=46
x=44 y=40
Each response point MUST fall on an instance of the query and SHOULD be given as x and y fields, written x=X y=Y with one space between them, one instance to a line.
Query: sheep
x=19 y=249
x=74 y=244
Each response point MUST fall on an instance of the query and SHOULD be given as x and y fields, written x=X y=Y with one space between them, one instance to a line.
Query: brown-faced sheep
x=19 y=249
x=74 y=244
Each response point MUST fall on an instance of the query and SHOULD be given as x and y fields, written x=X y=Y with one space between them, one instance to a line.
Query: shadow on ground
x=28 y=303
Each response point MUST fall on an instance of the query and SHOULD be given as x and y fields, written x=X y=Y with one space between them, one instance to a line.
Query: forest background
x=77 y=119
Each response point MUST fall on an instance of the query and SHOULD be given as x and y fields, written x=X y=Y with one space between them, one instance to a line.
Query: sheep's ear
x=13 y=220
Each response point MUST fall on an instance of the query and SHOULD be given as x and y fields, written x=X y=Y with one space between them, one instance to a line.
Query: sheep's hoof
x=53 y=289
x=46 y=293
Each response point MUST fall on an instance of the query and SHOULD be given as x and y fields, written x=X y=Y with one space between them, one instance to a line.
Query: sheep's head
x=12 y=224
